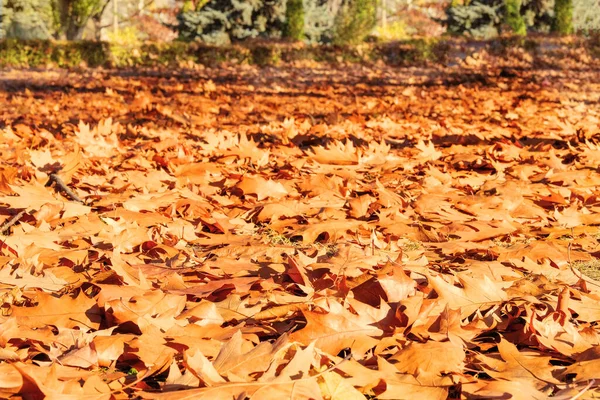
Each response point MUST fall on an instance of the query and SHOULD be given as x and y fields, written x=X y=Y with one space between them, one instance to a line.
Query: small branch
x=585 y=389
x=133 y=15
x=55 y=179
x=11 y=221
x=279 y=311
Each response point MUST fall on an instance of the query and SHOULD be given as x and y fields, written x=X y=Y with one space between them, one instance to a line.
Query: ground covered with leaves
x=301 y=232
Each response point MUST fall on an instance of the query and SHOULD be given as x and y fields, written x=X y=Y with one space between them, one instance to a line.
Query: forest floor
x=300 y=232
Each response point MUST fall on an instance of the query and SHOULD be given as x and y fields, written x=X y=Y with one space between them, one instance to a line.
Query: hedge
x=36 y=54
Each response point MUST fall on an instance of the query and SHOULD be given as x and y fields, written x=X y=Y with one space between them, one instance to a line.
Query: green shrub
x=73 y=54
x=355 y=20
x=172 y=53
x=39 y=53
x=64 y=54
x=263 y=55
x=397 y=30
x=416 y=51
x=124 y=48
x=17 y=54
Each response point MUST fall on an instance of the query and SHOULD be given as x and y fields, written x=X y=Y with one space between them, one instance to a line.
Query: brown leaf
x=475 y=293
x=338 y=329
x=423 y=359
x=360 y=205
x=68 y=312
x=521 y=366
x=237 y=364
x=262 y=188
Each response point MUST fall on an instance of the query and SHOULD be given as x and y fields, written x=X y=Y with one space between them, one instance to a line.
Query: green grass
x=410 y=245
x=589 y=268
x=276 y=238
x=508 y=242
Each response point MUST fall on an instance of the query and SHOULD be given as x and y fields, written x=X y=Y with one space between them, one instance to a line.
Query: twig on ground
x=55 y=179
x=585 y=389
x=11 y=221
x=279 y=311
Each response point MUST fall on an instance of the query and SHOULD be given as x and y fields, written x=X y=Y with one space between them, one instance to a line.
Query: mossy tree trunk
x=294 y=20
x=514 y=19
x=563 y=17
x=72 y=16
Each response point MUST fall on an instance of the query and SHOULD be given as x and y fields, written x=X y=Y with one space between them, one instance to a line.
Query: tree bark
x=73 y=25
x=75 y=32
x=563 y=17
x=115 y=17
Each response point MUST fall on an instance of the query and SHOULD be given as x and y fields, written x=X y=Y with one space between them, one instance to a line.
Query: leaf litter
x=292 y=233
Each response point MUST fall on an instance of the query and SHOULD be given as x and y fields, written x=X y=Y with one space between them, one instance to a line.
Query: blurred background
x=222 y=22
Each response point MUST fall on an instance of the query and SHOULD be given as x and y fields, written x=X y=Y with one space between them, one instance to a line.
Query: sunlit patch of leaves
x=290 y=228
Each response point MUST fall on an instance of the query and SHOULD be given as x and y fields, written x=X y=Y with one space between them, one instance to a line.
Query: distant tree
x=586 y=16
x=478 y=19
x=319 y=19
x=322 y=21
x=294 y=20
x=27 y=19
x=72 y=16
x=226 y=21
x=563 y=17
x=486 y=18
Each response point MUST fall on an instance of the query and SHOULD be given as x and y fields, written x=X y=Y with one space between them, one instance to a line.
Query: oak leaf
x=423 y=359
x=521 y=366
x=64 y=311
x=475 y=293
x=261 y=187
x=337 y=329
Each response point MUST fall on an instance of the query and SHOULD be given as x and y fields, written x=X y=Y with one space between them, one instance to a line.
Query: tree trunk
x=75 y=32
x=115 y=17
x=563 y=17
x=74 y=16
x=63 y=12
